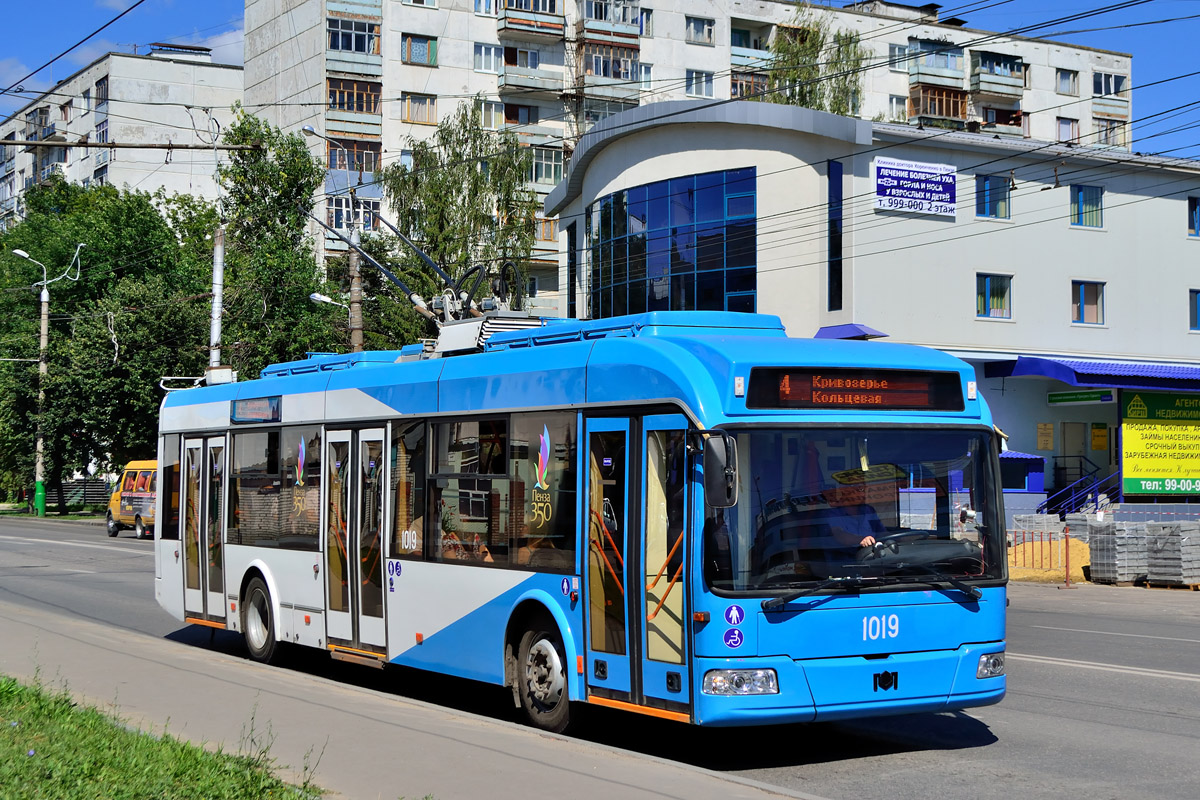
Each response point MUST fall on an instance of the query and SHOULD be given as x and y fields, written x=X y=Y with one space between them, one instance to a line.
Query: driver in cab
x=852 y=522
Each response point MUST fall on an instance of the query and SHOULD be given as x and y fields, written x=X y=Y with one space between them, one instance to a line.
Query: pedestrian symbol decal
x=734 y=615
x=733 y=638
x=566 y=586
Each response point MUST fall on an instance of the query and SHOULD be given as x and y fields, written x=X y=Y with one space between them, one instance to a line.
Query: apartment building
x=166 y=96
x=369 y=73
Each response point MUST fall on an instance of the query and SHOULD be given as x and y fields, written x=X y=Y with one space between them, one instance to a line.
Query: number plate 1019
x=880 y=626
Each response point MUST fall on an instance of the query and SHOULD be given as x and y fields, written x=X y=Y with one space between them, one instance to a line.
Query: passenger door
x=607 y=524
x=355 y=481
x=203 y=505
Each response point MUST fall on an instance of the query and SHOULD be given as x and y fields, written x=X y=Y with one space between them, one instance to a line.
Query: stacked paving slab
x=1173 y=552
x=1117 y=550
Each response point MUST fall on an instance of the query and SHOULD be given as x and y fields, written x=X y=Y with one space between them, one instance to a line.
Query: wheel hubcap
x=544 y=673
x=256 y=621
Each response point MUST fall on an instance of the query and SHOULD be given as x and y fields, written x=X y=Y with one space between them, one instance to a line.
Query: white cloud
x=227 y=47
x=88 y=52
x=12 y=70
x=115 y=5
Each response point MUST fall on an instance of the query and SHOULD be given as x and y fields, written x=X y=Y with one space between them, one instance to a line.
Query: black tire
x=258 y=622
x=139 y=529
x=111 y=524
x=542 y=678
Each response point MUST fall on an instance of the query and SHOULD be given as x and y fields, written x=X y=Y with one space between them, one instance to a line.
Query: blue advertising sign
x=915 y=187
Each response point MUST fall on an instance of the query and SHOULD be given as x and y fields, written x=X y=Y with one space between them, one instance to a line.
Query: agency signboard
x=1160 y=443
x=1081 y=398
x=915 y=186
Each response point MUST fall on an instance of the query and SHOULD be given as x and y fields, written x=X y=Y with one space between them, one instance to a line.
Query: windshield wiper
x=934 y=578
x=849 y=581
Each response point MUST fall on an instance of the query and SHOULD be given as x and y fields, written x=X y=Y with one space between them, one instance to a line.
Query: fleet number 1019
x=883 y=626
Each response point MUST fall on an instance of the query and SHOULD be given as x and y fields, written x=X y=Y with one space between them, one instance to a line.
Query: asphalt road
x=1103 y=701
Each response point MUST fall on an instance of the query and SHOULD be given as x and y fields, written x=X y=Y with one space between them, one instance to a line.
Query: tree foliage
x=465 y=198
x=816 y=67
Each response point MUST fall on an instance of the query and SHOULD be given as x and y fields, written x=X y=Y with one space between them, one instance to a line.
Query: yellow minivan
x=132 y=504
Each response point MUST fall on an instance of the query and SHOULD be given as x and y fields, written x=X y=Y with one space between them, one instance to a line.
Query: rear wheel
x=258 y=622
x=139 y=528
x=111 y=524
x=542 y=678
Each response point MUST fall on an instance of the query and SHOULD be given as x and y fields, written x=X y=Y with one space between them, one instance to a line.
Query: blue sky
x=1159 y=50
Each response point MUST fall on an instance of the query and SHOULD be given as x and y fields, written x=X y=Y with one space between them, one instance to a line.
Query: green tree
x=816 y=67
x=465 y=199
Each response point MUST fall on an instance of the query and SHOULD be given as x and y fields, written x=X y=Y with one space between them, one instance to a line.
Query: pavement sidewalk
x=370 y=744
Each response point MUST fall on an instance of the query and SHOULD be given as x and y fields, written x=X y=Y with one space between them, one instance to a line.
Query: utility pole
x=356 y=320
x=39 y=464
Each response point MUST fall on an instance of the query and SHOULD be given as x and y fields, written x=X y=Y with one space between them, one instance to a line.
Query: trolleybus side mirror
x=720 y=470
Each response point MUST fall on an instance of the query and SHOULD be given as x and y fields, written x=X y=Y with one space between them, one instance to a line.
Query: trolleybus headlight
x=991 y=665
x=740 y=681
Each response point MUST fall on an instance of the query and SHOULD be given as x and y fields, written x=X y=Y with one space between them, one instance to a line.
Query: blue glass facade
x=680 y=244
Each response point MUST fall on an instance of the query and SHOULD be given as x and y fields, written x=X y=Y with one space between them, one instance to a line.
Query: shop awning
x=851 y=330
x=1020 y=456
x=1116 y=374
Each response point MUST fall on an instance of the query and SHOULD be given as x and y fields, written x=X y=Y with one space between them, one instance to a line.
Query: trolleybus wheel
x=111 y=524
x=139 y=528
x=258 y=622
x=542 y=678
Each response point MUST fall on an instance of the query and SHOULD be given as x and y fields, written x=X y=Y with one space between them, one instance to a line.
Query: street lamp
x=319 y=298
x=39 y=482
x=356 y=327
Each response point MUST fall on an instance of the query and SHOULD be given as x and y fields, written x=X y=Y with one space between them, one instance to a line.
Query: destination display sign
x=255 y=409
x=879 y=389
x=1160 y=443
x=915 y=186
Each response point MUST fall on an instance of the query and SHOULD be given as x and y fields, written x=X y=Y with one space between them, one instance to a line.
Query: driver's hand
x=867 y=541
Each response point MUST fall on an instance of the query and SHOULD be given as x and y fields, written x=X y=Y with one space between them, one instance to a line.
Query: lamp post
x=39 y=480
x=319 y=298
x=356 y=326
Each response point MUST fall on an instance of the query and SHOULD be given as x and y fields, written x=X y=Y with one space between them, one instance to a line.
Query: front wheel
x=542 y=679
x=139 y=529
x=258 y=622
x=111 y=524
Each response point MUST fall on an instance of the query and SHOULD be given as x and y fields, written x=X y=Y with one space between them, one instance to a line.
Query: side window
x=143 y=481
x=300 y=491
x=666 y=459
x=409 y=459
x=128 y=480
x=542 y=466
x=469 y=492
x=168 y=524
x=254 y=489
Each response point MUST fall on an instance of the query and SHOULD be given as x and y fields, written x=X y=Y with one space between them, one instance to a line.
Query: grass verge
x=52 y=748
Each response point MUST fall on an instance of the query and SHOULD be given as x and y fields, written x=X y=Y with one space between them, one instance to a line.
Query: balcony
x=353 y=123
x=749 y=58
x=54 y=133
x=9 y=165
x=8 y=206
x=102 y=157
x=997 y=75
x=531 y=20
x=950 y=77
x=610 y=22
x=623 y=90
x=1111 y=105
x=51 y=170
x=531 y=82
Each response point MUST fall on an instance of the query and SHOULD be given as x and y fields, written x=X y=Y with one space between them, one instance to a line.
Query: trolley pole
x=356 y=320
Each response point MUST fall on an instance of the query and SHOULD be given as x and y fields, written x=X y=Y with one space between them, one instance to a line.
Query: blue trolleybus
x=682 y=514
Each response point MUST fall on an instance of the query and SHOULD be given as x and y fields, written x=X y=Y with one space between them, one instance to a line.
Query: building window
x=536 y=6
x=1104 y=83
x=491 y=115
x=354 y=154
x=685 y=243
x=645 y=76
x=699 y=84
x=348 y=95
x=102 y=131
x=1087 y=302
x=546 y=230
x=87 y=101
x=1109 y=132
x=531 y=286
x=1068 y=129
x=520 y=115
x=100 y=176
x=547 y=166
x=595 y=111
x=486 y=7
x=338 y=215
x=406 y=159
x=646 y=22
x=935 y=101
x=520 y=57
x=992 y=196
x=701 y=30
x=834 y=244
x=999 y=64
x=66 y=111
x=419 y=50
x=425 y=3
x=939 y=55
x=747 y=86
x=623 y=11
x=1066 y=81
x=897 y=108
x=993 y=296
x=487 y=57
x=606 y=61
x=101 y=91
x=1087 y=206
x=353 y=36
x=419 y=108
x=1193 y=216
x=1002 y=116
x=1194 y=310
x=898 y=57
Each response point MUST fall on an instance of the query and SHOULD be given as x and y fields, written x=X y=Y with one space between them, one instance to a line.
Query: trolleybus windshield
x=891 y=505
